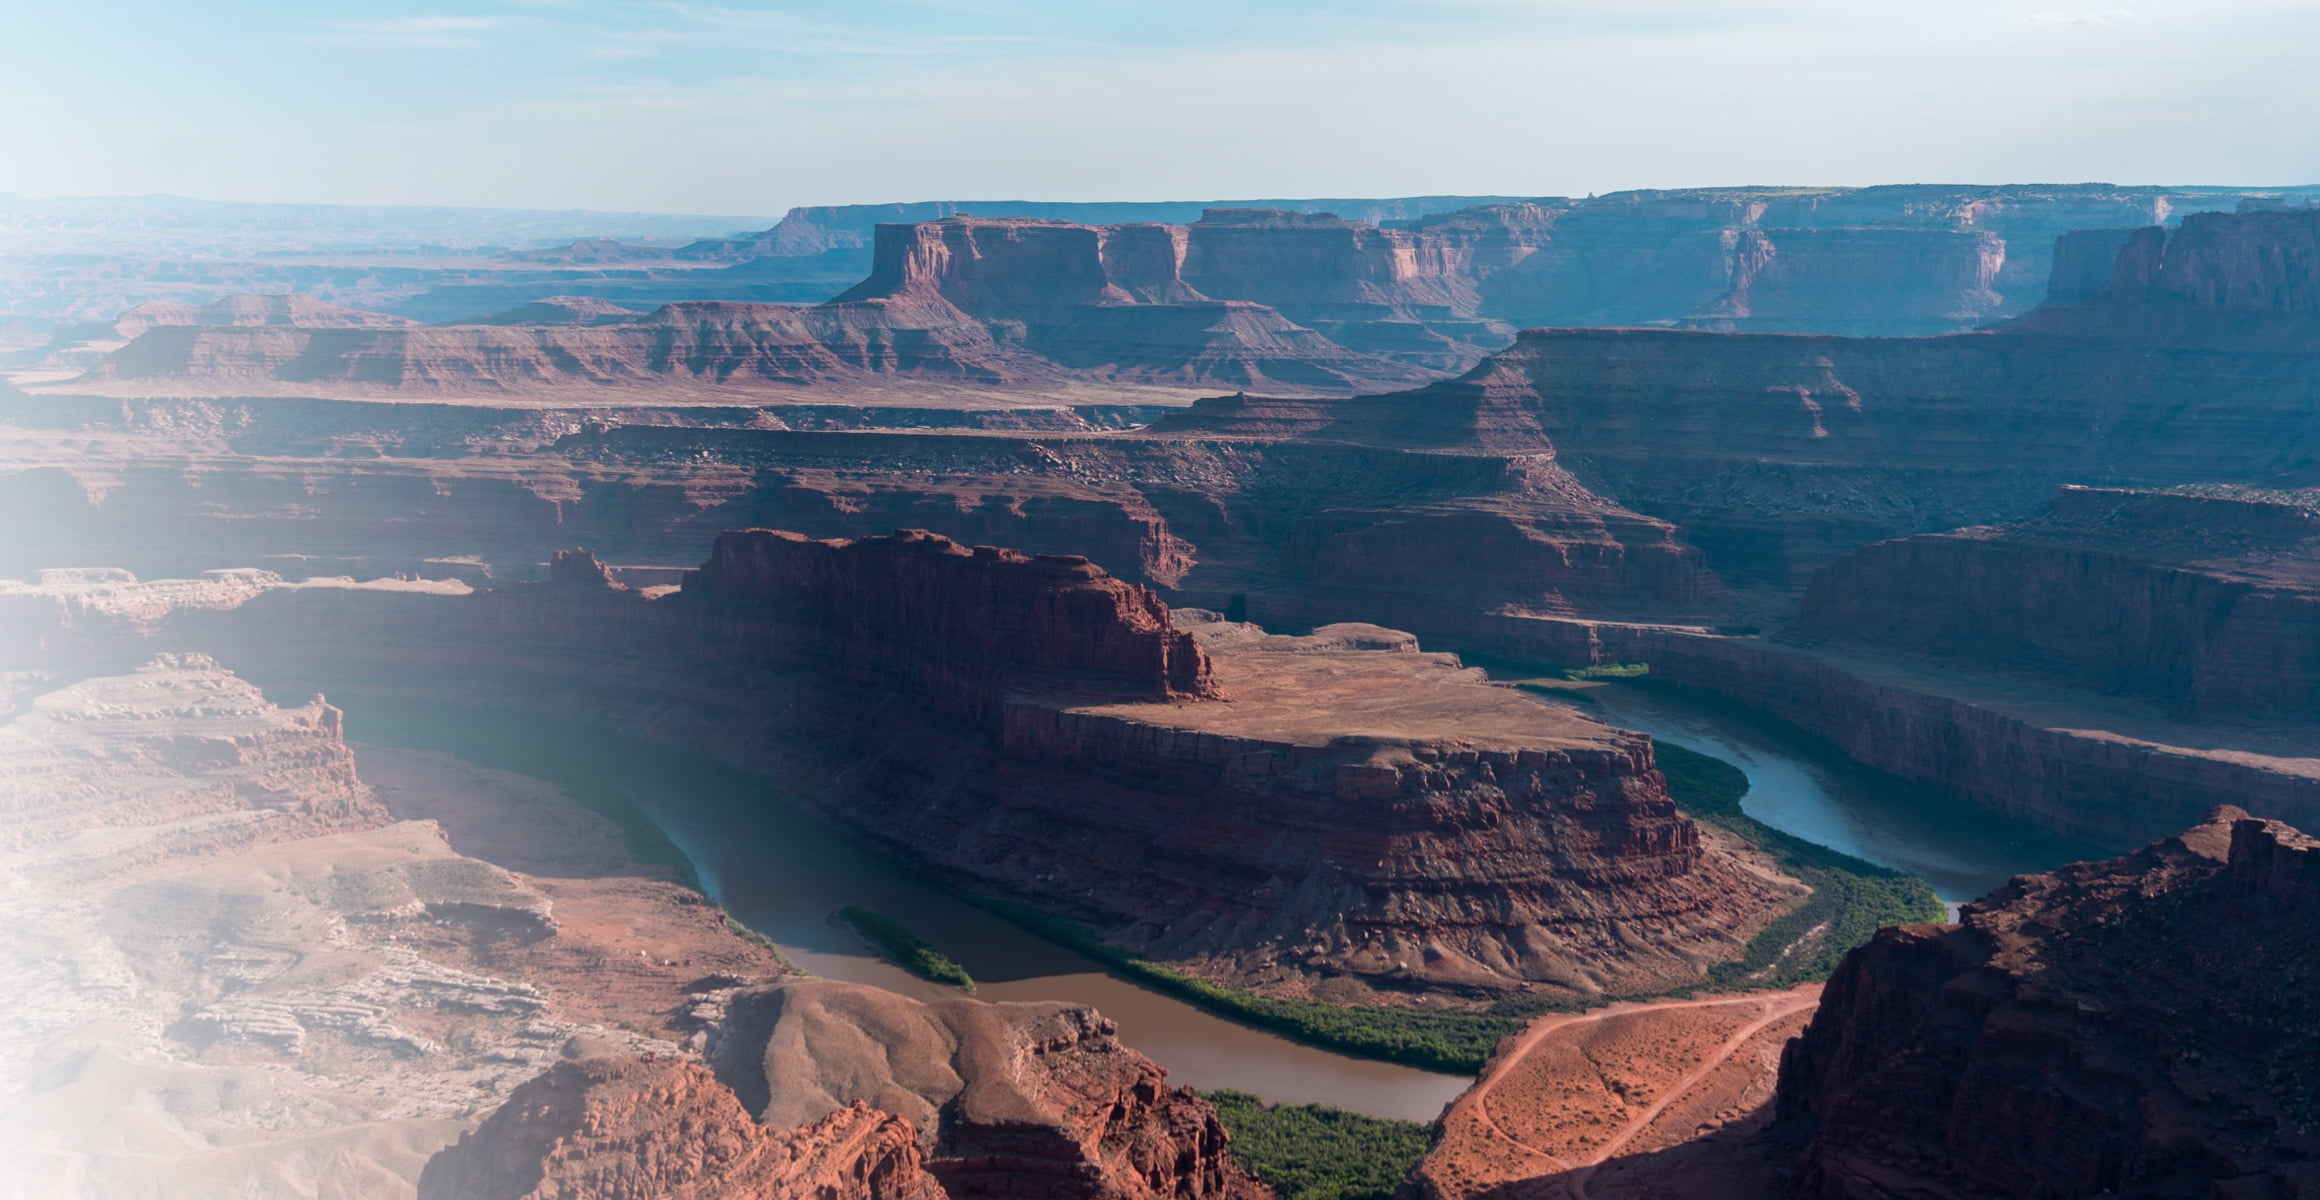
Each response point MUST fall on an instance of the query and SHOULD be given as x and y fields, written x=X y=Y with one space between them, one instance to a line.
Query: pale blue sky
x=751 y=107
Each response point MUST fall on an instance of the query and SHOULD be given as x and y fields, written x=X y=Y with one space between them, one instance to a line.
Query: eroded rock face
x=2137 y=1027
x=1010 y=1100
x=948 y=623
x=239 y=968
x=1774 y=455
x=2207 y=603
x=666 y=1129
x=182 y=747
x=1353 y=821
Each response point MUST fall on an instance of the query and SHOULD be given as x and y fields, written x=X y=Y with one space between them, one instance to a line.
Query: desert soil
x=1634 y=1100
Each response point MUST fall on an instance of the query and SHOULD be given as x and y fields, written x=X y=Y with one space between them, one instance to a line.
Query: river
x=785 y=872
x=1813 y=791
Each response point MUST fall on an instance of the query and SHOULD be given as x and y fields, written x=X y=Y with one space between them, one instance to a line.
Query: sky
x=749 y=108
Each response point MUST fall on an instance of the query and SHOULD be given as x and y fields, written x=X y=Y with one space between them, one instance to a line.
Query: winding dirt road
x=1516 y=1062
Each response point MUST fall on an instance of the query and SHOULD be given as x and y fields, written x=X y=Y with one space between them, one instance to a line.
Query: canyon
x=2116 y=1028
x=249 y=968
x=1878 y=261
x=2127 y=1027
x=1335 y=816
x=2052 y=566
x=1584 y=497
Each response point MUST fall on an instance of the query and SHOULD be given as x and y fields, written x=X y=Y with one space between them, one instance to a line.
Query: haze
x=749 y=108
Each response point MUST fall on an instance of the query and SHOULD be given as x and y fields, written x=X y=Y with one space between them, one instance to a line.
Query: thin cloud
x=2069 y=17
x=419 y=33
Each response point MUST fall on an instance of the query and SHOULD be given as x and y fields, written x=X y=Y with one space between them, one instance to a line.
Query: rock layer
x=947 y=624
x=666 y=1129
x=2208 y=604
x=1009 y=1100
x=2129 y=1028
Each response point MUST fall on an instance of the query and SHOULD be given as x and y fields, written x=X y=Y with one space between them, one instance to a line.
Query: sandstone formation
x=239 y=968
x=1009 y=1100
x=1327 y=822
x=1585 y=496
x=2207 y=602
x=2134 y=1027
x=947 y=625
x=665 y=1129
x=1658 y=1099
x=1352 y=821
x=2105 y=771
x=80 y=346
x=257 y=772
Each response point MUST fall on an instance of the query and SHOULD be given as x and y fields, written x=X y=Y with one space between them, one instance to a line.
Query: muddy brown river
x=785 y=872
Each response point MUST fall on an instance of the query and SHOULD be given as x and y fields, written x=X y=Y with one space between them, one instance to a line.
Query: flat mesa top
x=1361 y=681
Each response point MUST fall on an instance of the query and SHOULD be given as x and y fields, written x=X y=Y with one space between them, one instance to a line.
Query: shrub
x=1314 y=1152
x=905 y=947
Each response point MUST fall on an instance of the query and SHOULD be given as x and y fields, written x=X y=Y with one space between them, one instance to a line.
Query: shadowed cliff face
x=833 y=1091
x=2208 y=604
x=1009 y=1100
x=946 y=624
x=2138 y=1027
x=1774 y=454
x=665 y=1129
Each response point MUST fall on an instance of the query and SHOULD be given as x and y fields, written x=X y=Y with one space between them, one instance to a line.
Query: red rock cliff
x=2205 y=603
x=2137 y=1027
x=666 y=1129
x=949 y=622
x=1011 y=1100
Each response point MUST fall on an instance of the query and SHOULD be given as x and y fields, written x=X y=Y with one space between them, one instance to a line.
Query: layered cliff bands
x=1371 y=816
x=947 y=624
x=2206 y=603
x=1352 y=821
x=834 y=1091
x=666 y=1129
x=1775 y=454
x=2128 y=1028
x=1298 y=301
x=1009 y=1100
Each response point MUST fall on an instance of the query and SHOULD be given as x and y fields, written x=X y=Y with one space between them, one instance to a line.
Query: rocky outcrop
x=2135 y=1027
x=666 y=1129
x=2207 y=603
x=1356 y=822
x=579 y=568
x=946 y=624
x=2064 y=762
x=288 y=972
x=1009 y=1100
x=1256 y=298
x=2255 y=261
x=1777 y=454
x=180 y=746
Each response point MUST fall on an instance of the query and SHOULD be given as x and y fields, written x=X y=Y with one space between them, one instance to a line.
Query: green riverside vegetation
x=1609 y=671
x=1314 y=1152
x=1456 y=1042
x=1849 y=901
x=905 y=947
x=1850 y=898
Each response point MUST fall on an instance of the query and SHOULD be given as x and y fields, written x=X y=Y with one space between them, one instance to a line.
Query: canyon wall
x=1009 y=1099
x=2208 y=604
x=2112 y=1028
x=666 y=1129
x=943 y=623
x=2054 y=760
x=1354 y=822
